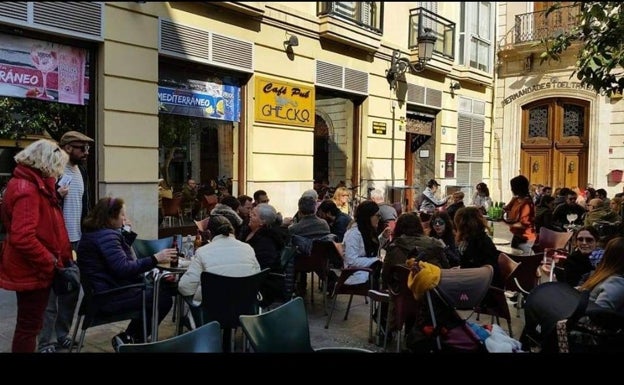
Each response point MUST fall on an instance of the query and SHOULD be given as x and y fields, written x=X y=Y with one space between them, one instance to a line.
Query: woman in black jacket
x=476 y=248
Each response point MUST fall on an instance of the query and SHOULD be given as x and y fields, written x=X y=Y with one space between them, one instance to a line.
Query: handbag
x=66 y=279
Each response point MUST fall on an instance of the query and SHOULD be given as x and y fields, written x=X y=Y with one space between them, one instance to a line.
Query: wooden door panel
x=567 y=172
x=536 y=165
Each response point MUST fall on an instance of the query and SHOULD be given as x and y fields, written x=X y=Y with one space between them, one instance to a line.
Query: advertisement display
x=203 y=99
x=39 y=69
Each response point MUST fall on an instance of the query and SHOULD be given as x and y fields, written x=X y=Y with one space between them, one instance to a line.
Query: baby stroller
x=559 y=318
x=441 y=328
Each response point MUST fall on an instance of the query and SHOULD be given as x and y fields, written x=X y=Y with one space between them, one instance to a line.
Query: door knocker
x=535 y=166
x=571 y=167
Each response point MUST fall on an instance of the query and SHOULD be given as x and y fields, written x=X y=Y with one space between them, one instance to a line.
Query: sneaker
x=120 y=339
x=66 y=343
x=48 y=349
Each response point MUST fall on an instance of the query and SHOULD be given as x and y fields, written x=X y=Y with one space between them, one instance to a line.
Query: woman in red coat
x=36 y=236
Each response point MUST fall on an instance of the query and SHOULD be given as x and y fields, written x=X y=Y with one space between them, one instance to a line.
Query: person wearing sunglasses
x=442 y=228
x=578 y=263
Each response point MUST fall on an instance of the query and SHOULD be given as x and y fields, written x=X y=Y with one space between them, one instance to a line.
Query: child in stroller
x=440 y=327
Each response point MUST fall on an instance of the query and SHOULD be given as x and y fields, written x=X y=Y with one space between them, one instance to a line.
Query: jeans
x=59 y=315
x=30 y=308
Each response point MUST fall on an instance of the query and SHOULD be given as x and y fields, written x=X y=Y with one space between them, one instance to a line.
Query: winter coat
x=478 y=251
x=36 y=235
x=107 y=261
x=422 y=247
x=229 y=213
x=225 y=255
x=267 y=244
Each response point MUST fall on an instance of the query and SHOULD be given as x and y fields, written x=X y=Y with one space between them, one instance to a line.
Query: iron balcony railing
x=367 y=14
x=443 y=29
x=536 y=26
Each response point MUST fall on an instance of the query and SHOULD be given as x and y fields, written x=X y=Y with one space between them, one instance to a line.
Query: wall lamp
x=292 y=41
x=454 y=87
x=399 y=65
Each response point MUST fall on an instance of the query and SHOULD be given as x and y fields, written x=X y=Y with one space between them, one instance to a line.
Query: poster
x=43 y=70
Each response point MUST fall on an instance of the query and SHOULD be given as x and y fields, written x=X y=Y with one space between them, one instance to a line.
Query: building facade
x=275 y=96
x=547 y=126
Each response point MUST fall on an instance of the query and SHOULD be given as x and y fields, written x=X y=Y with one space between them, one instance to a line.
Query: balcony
x=357 y=24
x=535 y=26
x=444 y=31
x=250 y=8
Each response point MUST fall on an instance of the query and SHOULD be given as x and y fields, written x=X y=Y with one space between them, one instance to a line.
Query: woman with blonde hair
x=341 y=199
x=37 y=240
x=606 y=283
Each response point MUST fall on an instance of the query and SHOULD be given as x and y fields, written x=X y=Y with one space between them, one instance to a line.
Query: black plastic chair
x=205 y=339
x=224 y=299
x=90 y=313
x=285 y=329
x=341 y=287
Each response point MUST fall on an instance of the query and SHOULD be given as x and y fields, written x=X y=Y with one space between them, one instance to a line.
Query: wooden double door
x=555 y=142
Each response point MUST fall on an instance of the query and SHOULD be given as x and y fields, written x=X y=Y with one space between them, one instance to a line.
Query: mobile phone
x=65 y=180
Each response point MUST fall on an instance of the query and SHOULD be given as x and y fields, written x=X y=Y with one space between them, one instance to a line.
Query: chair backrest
x=147 y=247
x=464 y=289
x=205 y=339
x=318 y=260
x=224 y=299
x=209 y=202
x=172 y=207
x=284 y=329
x=524 y=278
x=506 y=266
x=550 y=239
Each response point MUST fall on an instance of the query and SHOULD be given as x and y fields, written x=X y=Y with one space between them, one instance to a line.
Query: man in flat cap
x=73 y=187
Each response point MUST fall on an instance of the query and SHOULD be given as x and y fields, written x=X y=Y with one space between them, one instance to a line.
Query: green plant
x=599 y=35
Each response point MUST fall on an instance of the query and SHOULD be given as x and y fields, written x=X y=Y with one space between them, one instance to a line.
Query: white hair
x=377 y=195
x=310 y=193
x=44 y=155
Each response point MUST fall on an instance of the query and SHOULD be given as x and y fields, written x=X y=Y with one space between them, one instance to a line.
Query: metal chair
x=90 y=313
x=350 y=290
x=172 y=210
x=284 y=329
x=497 y=306
x=205 y=339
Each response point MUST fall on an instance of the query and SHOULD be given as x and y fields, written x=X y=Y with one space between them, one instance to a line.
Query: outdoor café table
x=501 y=241
x=165 y=270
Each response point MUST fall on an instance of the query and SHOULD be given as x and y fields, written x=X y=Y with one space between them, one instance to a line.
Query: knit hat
x=74 y=136
x=424 y=280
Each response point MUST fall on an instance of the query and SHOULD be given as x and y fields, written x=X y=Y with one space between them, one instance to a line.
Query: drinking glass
x=571 y=217
x=44 y=57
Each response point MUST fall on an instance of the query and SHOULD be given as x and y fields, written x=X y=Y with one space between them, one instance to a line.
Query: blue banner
x=214 y=101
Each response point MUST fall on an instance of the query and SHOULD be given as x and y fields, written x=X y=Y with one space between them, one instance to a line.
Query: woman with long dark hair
x=443 y=228
x=361 y=244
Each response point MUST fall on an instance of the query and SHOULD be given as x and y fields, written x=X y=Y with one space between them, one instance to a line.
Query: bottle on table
x=174 y=260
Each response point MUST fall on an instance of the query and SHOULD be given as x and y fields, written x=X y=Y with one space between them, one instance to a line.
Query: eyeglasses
x=588 y=239
x=84 y=148
x=438 y=223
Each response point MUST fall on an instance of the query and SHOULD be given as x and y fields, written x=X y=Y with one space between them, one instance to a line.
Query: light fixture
x=454 y=87
x=398 y=65
x=292 y=41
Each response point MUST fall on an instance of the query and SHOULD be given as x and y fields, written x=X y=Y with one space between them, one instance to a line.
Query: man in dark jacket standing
x=73 y=188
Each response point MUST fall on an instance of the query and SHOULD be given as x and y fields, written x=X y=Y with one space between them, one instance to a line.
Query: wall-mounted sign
x=449 y=163
x=544 y=86
x=423 y=153
x=284 y=103
x=379 y=128
x=204 y=99
x=43 y=70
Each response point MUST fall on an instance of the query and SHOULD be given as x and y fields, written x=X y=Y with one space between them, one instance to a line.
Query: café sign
x=283 y=102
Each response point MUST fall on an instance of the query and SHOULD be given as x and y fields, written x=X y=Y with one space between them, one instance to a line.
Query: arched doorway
x=555 y=141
